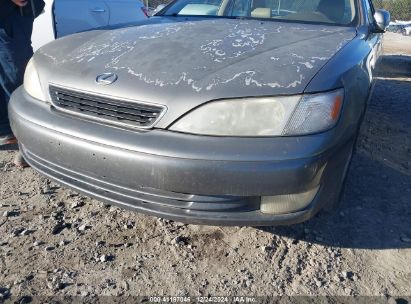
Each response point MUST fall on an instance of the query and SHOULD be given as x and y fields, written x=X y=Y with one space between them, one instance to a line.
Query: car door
x=374 y=40
x=124 y=11
x=43 y=27
x=72 y=16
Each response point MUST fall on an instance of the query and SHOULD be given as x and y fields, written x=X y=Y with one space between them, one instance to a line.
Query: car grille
x=105 y=109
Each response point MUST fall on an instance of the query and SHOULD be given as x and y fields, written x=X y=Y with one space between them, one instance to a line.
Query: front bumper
x=188 y=178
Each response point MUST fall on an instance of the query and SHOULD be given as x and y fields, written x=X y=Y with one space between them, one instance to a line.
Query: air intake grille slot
x=105 y=109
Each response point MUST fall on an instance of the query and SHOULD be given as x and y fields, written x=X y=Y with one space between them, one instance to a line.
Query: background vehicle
x=64 y=17
x=71 y=16
x=399 y=27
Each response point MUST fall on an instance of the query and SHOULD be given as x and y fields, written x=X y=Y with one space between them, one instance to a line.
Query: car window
x=370 y=11
x=326 y=11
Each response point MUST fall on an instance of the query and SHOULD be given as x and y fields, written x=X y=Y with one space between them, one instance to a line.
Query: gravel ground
x=397 y=44
x=56 y=242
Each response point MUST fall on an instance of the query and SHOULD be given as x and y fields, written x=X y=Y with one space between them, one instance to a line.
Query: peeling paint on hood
x=213 y=58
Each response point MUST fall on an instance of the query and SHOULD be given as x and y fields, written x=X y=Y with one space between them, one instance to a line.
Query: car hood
x=182 y=62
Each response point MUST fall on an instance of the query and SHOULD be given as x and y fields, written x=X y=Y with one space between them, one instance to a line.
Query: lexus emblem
x=106 y=78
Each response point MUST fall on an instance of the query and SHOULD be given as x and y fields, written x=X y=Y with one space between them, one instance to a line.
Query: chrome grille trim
x=108 y=110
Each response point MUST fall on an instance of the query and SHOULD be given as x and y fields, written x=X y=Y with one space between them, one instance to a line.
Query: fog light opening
x=287 y=203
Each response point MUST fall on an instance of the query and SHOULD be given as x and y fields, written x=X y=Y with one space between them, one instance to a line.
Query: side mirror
x=158 y=8
x=382 y=19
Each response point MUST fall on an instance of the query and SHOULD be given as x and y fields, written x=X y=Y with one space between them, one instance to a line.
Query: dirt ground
x=397 y=44
x=54 y=242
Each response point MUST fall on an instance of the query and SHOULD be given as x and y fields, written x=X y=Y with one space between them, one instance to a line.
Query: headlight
x=268 y=116
x=315 y=113
x=32 y=83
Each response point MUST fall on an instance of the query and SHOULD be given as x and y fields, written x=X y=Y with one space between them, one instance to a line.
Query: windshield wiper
x=204 y=16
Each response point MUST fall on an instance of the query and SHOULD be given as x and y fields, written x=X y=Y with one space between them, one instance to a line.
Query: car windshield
x=340 y=12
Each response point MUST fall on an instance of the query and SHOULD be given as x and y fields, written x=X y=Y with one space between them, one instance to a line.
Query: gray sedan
x=220 y=112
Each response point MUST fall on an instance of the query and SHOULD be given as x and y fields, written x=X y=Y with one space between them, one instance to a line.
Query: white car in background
x=65 y=17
